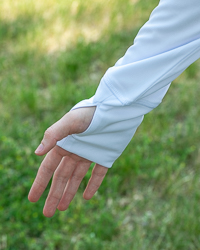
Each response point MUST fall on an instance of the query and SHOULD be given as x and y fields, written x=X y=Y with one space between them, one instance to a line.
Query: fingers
x=98 y=174
x=45 y=172
x=73 y=184
x=60 y=178
x=76 y=121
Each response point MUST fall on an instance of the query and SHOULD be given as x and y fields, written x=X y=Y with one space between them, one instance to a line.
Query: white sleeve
x=164 y=47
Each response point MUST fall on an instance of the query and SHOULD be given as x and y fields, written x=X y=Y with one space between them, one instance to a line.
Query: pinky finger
x=98 y=174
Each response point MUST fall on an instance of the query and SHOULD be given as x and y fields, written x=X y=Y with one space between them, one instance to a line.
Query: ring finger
x=73 y=184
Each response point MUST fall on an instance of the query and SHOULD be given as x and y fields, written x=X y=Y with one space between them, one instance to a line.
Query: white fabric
x=164 y=47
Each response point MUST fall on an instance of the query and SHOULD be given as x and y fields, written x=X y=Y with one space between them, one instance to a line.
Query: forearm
x=164 y=47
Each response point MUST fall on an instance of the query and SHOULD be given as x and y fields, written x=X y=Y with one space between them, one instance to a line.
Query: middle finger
x=60 y=178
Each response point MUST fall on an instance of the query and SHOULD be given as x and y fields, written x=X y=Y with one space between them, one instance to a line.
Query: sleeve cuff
x=112 y=127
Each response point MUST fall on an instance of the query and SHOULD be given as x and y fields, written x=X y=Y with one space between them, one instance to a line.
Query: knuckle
x=40 y=184
x=70 y=195
x=55 y=196
x=49 y=132
x=98 y=174
x=77 y=178
x=58 y=177
x=46 y=170
x=95 y=186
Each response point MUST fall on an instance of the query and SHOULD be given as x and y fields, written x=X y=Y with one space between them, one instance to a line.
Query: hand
x=67 y=169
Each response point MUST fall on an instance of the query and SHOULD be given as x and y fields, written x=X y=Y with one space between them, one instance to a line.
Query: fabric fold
x=164 y=47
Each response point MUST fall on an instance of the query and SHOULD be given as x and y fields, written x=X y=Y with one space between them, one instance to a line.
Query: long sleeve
x=164 y=47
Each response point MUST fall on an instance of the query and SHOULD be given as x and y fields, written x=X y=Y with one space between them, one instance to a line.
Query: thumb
x=75 y=121
x=53 y=134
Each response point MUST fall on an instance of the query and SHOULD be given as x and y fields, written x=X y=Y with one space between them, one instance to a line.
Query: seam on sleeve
x=117 y=94
x=186 y=57
x=147 y=104
x=113 y=92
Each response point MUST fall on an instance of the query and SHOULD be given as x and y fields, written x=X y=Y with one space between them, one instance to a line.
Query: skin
x=67 y=169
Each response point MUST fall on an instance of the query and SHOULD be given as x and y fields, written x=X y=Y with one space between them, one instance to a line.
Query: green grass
x=52 y=55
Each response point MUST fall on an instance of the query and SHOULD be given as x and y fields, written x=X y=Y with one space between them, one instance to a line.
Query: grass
x=53 y=54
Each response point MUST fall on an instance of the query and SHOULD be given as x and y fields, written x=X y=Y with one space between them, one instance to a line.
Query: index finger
x=45 y=172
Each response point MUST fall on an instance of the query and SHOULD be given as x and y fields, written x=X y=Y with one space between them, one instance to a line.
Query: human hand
x=67 y=169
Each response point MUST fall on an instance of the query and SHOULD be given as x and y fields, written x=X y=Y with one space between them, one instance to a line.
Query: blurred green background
x=52 y=55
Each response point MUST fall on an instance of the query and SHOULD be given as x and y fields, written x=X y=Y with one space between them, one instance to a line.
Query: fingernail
x=39 y=148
